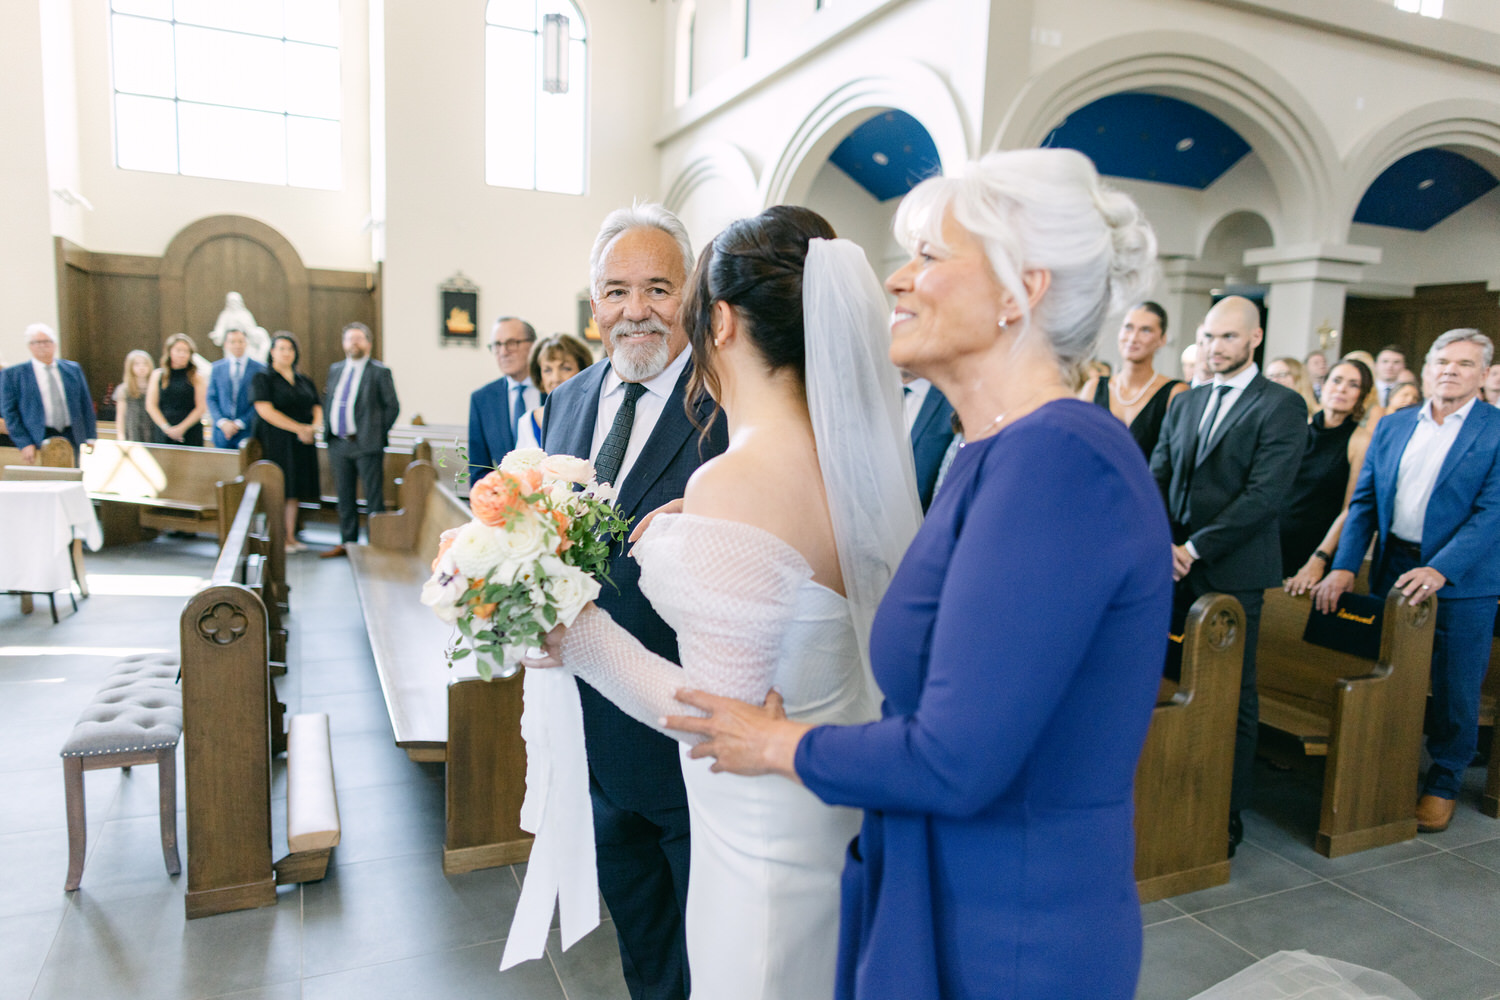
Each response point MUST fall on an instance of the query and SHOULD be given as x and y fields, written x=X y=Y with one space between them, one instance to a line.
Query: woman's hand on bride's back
x=552 y=644
x=670 y=507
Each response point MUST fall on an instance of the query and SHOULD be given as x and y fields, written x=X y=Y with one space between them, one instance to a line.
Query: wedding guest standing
x=231 y=410
x=360 y=407
x=554 y=360
x=1138 y=396
x=995 y=860
x=132 y=422
x=1317 y=372
x=286 y=403
x=177 y=396
x=1291 y=373
x=1315 y=509
x=496 y=409
x=47 y=398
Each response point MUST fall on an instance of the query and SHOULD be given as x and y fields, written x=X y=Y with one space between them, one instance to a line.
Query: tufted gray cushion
x=138 y=708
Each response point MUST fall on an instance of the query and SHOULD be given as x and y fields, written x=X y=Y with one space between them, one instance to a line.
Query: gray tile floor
x=387 y=923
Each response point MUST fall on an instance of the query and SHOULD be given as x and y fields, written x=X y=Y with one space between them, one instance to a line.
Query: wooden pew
x=55 y=452
x=232 y=729
x=1365 y=716
x=1183 y=779
x=397 y=458
x=162 y=486
x=272 y=587
x=470 y=724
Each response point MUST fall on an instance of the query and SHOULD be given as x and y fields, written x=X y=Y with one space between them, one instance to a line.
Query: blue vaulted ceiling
x=888 y=155
x=1422 y=189
x=1147 y=137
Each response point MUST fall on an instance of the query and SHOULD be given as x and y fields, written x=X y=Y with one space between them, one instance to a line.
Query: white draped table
x=38 y=522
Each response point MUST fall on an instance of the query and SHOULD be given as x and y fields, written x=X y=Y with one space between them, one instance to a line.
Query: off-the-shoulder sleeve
x=728 y=590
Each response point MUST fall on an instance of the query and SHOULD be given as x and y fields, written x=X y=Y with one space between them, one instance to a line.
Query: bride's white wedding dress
x=763 y=892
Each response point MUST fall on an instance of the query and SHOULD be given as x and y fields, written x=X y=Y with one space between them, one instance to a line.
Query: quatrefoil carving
x=222 y=624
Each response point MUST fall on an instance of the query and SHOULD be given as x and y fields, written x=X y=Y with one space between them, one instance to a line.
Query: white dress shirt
x=1237 y=386
x=1420 y=463
x=57 y=421
x=354 y=372
x=530 y=393
x=648 y=409
x=1383 y=391
x=913 y=395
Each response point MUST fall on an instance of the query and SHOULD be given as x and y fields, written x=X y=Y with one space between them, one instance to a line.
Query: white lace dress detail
x=763 y=894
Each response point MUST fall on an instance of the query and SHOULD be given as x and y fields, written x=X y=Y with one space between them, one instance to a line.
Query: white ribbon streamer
x=558 y=811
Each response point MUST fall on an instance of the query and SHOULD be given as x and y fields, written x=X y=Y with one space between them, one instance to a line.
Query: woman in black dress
x=1139 y=395
x=177 y=396
x=1319 y=499
x=287 y=403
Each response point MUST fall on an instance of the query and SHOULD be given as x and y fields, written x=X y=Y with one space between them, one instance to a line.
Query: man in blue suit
x=929 y=419
x=230 y=408
x=47 y=398
x=1429 y=495
x=626 y=413
x=497 y=408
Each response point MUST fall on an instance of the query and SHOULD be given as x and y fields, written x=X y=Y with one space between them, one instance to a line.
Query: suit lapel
x=666 y=440
x=926 y=415
x=1248 y=400
x=1192 y=415
x=1465 y=440
x=576 y=420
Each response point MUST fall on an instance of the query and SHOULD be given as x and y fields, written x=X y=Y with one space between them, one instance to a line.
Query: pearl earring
x=1003 y=322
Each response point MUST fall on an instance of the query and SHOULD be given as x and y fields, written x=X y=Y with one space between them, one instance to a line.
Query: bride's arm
x=729 y=589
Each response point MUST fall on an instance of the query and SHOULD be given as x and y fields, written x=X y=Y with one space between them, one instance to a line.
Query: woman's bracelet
x=1327 y=559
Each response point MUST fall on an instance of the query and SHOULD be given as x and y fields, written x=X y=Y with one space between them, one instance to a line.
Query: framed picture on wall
x=458 y=313
x=587 y=329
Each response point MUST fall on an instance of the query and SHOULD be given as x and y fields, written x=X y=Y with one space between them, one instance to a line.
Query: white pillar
x=1308 y=284
x=1190 y=285
x=28 y=270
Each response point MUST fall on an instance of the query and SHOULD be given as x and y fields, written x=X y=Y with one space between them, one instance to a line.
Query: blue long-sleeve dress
x=1020 y=649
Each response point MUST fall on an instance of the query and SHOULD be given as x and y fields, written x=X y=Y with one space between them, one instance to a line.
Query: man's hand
x=28 y=454
x=1417 y=583
x=1182 y=561
x=1335 y=585
x=228 y=428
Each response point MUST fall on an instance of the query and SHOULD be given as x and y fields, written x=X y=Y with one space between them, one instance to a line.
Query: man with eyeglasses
x=496 y=409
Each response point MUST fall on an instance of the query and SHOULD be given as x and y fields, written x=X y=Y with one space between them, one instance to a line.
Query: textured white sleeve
x=728 y=590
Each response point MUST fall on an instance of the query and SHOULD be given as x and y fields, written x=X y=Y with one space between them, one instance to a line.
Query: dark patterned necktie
x=612 y=452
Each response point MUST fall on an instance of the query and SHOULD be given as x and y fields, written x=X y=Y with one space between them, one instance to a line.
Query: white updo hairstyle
x=1044 y=209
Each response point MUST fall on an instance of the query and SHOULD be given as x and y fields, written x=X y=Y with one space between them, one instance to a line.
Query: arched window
x=687 y=23
x=244 y=91
x=536 y=86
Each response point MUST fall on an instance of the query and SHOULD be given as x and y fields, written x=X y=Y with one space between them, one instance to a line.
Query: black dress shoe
x=1236 y=831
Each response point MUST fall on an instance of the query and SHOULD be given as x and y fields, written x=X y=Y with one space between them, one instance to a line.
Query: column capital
x=1341 y=263
x=1188 y=274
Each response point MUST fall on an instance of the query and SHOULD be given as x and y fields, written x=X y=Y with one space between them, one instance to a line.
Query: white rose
x=522 y=459
x=567 y=469
x=523 y=538
x=443 y=589
x=571 y=588
x=602 y=491
x=562 y=495
x=478 y=549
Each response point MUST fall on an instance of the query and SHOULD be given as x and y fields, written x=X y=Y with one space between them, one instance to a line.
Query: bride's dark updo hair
x=754 y=265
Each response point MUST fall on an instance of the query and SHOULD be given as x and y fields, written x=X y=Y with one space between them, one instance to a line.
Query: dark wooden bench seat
x=166 y=487
x=1183 y=779
x=437 y=714
x=1364 y=716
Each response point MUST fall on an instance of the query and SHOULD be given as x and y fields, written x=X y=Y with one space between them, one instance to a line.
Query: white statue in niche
x=235 y=316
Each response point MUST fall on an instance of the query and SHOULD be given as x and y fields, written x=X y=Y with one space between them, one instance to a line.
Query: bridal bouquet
x=531 y=559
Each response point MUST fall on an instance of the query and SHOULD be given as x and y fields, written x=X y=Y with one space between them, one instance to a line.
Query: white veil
x=864 y=451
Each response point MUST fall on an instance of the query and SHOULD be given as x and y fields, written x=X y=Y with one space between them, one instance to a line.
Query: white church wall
x=28 y=281
x=139 y=212
x=527 y=251
x=1462 y=248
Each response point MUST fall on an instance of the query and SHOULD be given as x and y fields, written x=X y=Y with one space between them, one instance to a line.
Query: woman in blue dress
x=1020 y=644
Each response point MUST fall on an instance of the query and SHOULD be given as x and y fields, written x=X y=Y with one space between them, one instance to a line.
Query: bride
x=770 y=575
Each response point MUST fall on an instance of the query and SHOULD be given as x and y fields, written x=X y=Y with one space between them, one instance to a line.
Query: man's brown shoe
x=1434 y=813
x=333 y=553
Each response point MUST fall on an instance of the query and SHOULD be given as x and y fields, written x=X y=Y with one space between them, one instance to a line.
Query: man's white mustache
x=628 y=327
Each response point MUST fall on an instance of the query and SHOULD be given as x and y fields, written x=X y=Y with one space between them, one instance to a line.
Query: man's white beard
x=638 y=362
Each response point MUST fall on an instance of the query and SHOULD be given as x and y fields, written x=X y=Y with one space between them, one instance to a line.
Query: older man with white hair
x=626 y=413
x=47 y=398
x=1429 y=496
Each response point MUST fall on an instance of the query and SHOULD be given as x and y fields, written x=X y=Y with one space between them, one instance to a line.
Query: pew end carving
x=1183 y=778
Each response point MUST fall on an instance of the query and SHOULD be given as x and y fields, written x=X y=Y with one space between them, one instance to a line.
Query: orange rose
x=563 y=521
x=530 y=480
x=495 y=497
x=485 y=610
x=445 y=542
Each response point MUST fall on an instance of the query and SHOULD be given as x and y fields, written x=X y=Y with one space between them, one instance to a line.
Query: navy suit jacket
x=1462 y=526
x=930 y=437
x=490 y=433
x=375 y=406
x=26 y=415
x=223 y=404
x=636 y=766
